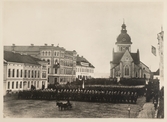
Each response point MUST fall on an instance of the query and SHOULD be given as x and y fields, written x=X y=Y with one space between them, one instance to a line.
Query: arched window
x=46 y=53
x=35 y=74
x=126 y=70
x=38 y=74
x=21 y=73
x=28 y=84
x=16 y=84
x=13 y=73
x=20 y=84
x=43 y=53
x=29 y=73
x=17 y=73
x=25 y=73
x=49 y=53
x=37 y=84
x=12 y=85
x=32 y=74
x=8 y=85
x=9 y=72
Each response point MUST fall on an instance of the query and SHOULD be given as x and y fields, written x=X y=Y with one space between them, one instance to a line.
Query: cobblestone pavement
x=48 y=109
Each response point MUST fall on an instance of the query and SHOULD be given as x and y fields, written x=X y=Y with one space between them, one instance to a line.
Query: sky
x=90 y=28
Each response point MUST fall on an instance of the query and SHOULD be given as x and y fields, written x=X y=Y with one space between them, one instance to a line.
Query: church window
x=126 y=70
x=136 y=74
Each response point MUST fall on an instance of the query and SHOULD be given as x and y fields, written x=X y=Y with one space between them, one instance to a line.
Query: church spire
x=123 y=27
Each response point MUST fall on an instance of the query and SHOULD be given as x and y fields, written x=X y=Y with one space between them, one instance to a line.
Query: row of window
x=65 y=63
x=27 y=73
x=84 y=70
x=48 y=53
x=17 y=86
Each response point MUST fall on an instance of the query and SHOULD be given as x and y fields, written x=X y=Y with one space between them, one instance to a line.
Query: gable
x=127 y=57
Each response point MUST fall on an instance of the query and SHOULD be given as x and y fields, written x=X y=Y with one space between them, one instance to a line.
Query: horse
x=64 y=105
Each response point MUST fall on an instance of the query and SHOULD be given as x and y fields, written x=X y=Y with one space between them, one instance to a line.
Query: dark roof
x=82 y=59
x=30 y=48
x=17 y=57
x=118 y=55
x=156 y=73
x=69 y=52
x=123 y=38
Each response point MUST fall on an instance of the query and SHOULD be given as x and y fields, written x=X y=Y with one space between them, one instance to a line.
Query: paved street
x=48 y=109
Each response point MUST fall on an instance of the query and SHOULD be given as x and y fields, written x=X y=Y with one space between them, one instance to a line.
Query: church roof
x=123 y=38
x=18 y=58
x=118 y=55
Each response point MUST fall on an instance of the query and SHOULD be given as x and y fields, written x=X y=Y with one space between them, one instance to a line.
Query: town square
x=83 y=59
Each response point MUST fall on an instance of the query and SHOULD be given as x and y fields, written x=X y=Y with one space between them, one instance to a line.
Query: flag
x=153 y=50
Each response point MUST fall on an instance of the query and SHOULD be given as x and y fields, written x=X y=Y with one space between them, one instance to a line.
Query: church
x=126 y=64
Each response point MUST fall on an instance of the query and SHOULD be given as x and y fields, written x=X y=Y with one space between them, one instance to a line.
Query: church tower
x=123 y=40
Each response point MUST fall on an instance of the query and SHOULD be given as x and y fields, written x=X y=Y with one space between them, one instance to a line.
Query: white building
x=84 y=69
x=21 y=72
x=160 y=37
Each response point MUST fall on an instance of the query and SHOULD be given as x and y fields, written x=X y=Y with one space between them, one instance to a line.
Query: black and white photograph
x=83 y=59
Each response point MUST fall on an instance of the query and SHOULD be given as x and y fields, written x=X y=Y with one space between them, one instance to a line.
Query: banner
x=153 y=50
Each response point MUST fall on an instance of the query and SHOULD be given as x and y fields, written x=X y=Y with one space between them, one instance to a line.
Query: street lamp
x=129 y=110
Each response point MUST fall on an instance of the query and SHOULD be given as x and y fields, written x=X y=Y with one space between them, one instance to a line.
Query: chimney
x=13 y=44
x=32 y=44
x=52 y=45
x=45 y=44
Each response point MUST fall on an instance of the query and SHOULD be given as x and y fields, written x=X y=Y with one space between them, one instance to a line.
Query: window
x=49 y=53
x=20 y=84
x=28 y=73
x=55 y=70
x=48 y=70
x=48 y=61
x=13 y=73
x=28 y=84
x=37 y=84
x=38 y=74
x=8 y=72
x=43 y=53
x=43 y=74
x=55 y=53
x=17 y=73
x=8 y=85
x=12 y=85
x=17 y=85
x=32 y=74
x=35 y=74
x=25 y=73
x=21 y=73
x=126 y=70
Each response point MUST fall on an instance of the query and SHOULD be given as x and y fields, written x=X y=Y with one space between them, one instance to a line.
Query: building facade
x=84 y=69
x=160 y=37
x=61 y=63
x=126 y=64
x=21 y=72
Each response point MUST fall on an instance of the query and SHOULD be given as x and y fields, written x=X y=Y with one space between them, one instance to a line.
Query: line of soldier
x=114 y=96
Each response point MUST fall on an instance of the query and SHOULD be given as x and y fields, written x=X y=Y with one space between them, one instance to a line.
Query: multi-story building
x=84 y=69
x=22 y=72
x=61 y=63
x=160 y=37
x=126 y=64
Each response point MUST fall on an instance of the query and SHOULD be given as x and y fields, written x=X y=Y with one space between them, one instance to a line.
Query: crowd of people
x=88 y=95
